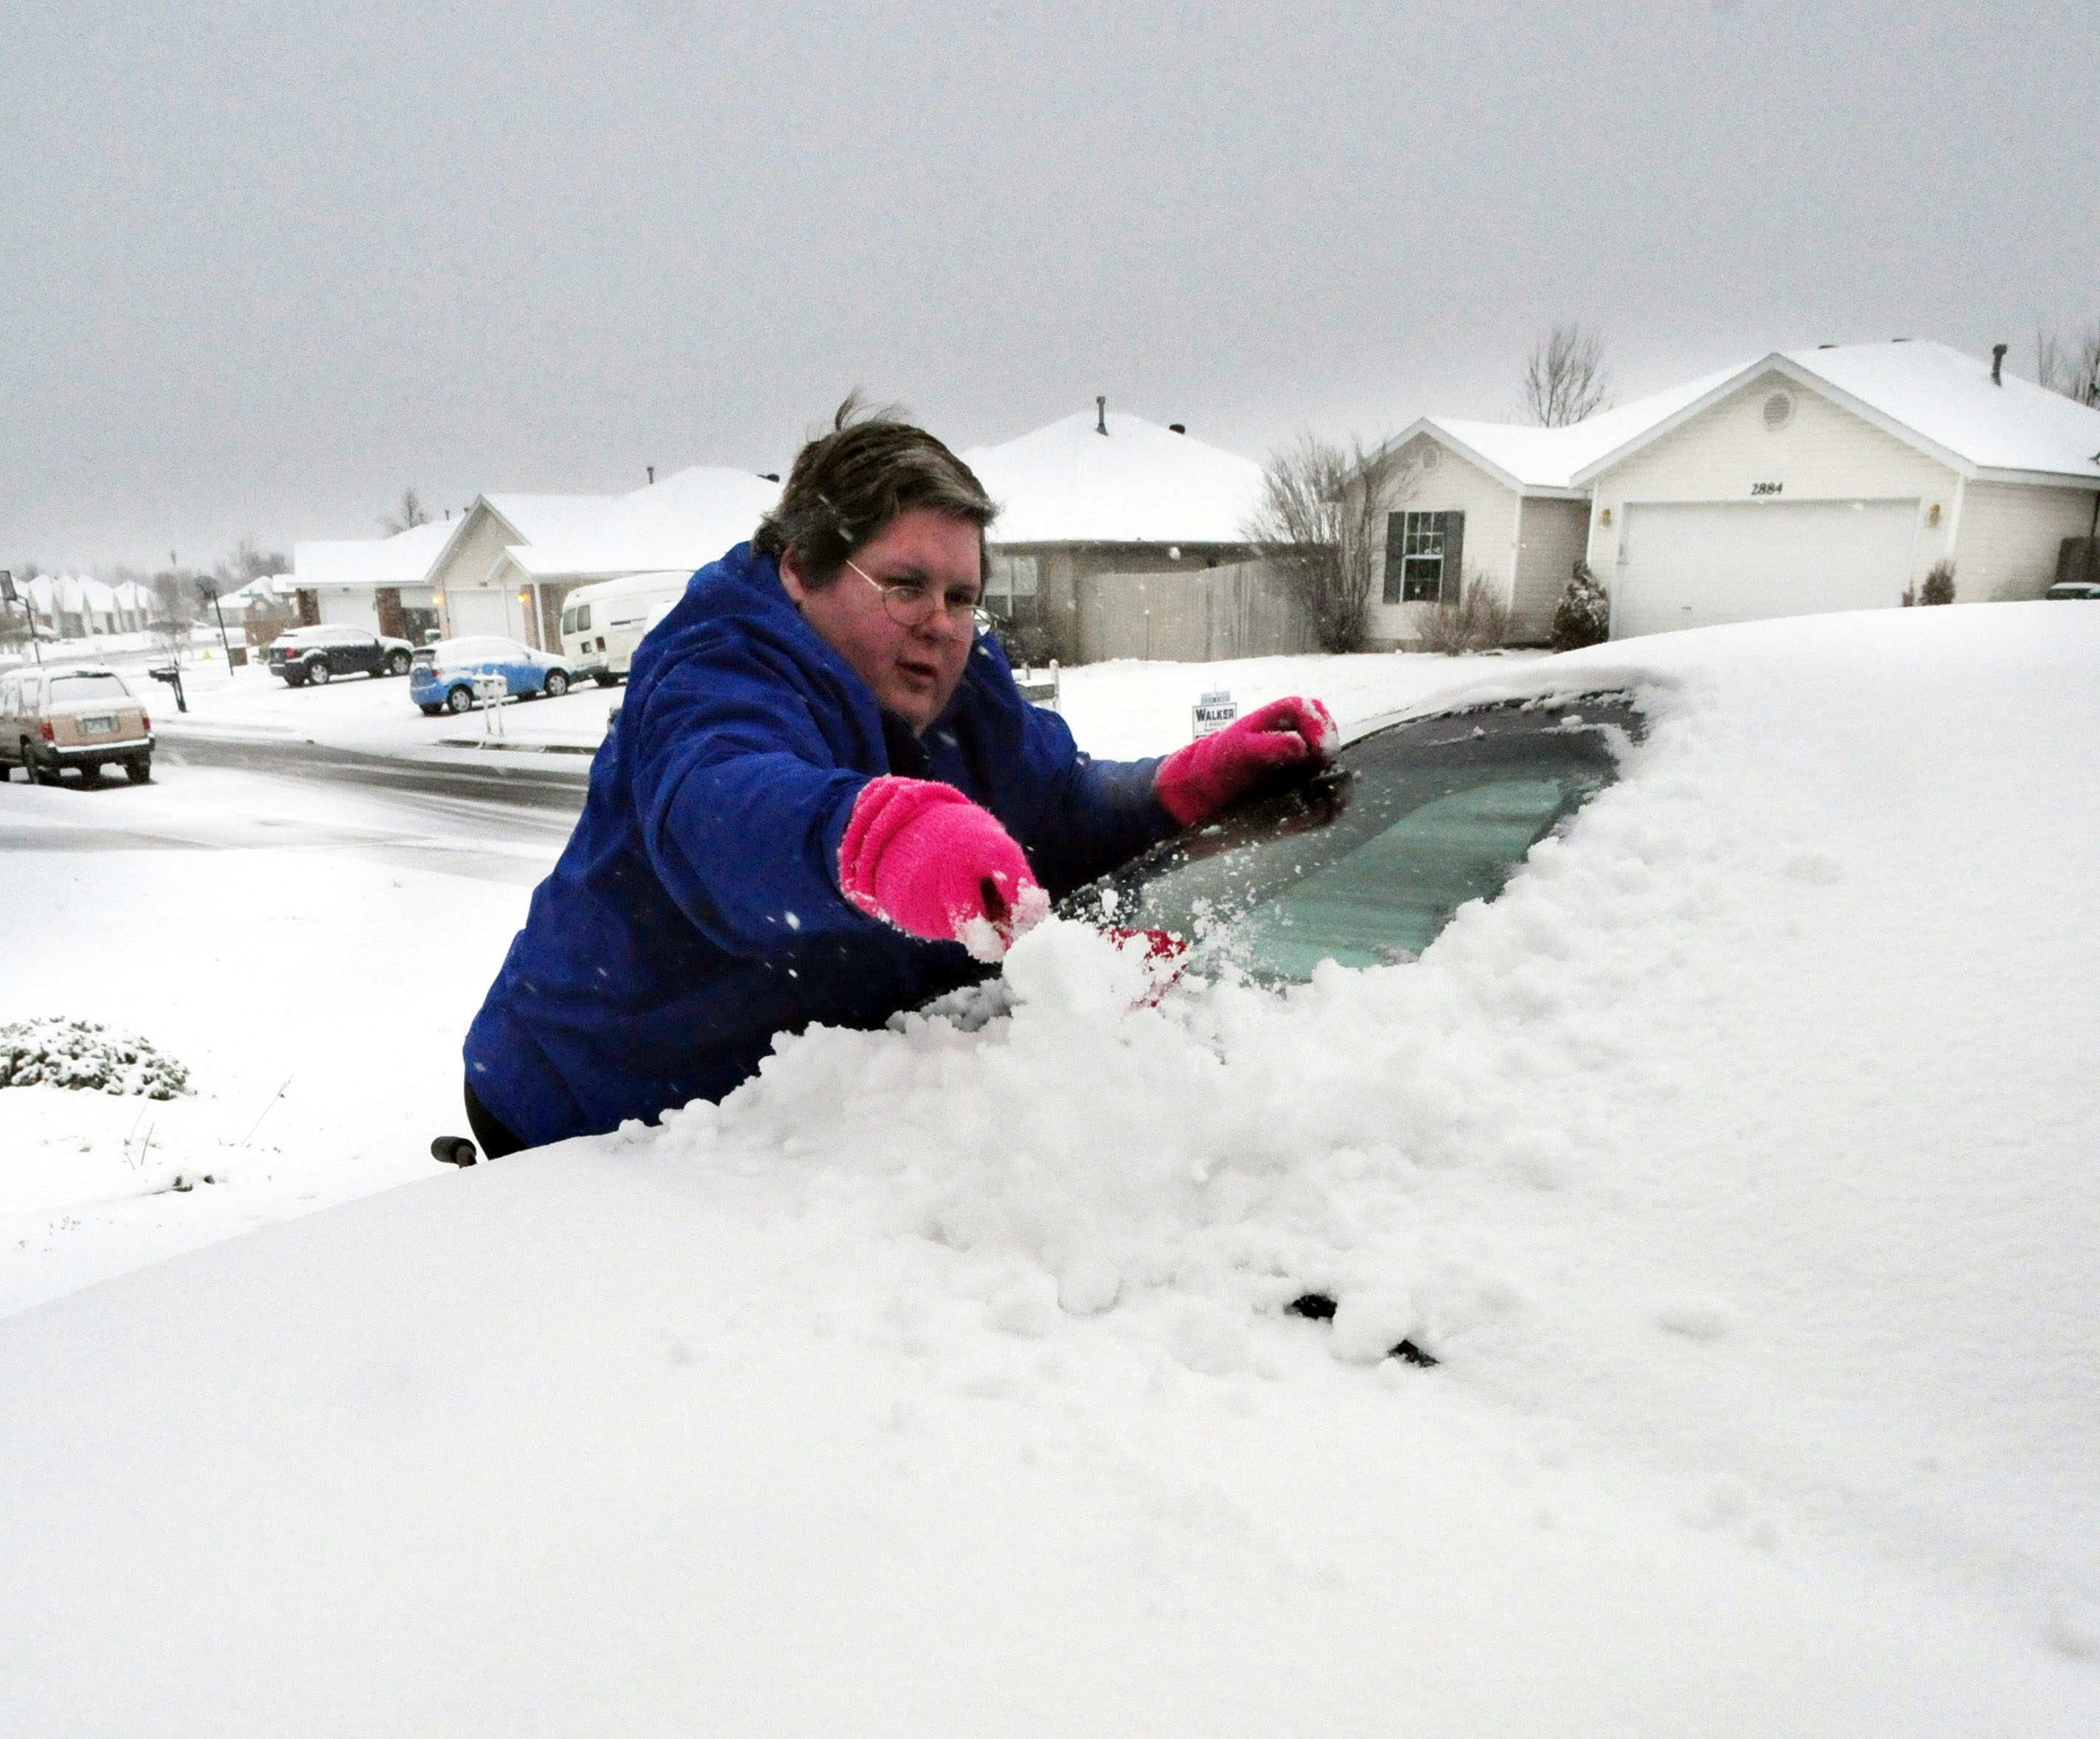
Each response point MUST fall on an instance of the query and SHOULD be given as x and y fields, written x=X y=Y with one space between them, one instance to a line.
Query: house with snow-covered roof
x=1837 y=478
x=512 y=557
x=1106 y=522
x=381 y=584
x=73 y=606
x=1496 y=503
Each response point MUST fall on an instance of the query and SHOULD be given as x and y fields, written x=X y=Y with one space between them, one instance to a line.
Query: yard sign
x=1213 y=712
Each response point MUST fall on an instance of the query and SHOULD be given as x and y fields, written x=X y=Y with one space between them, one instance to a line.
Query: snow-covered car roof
x=1736 y=1162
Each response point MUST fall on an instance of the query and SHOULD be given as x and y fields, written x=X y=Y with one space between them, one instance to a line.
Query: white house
x=381 y=584
x=1497 y=503
x=1836 y=478
x=1096 y=504
x=512 y=559
x=71 y=607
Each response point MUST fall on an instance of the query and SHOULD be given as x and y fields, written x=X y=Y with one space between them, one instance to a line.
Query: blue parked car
x=441 y=678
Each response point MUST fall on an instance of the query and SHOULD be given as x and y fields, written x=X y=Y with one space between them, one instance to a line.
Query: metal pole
x=28 y=612
x=207 y=591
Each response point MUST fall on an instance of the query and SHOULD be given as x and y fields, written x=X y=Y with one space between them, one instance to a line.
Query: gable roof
x=1930 y=396
x=690 y=519
x=1067 y=484
x=406 y=558
x=1532 y=461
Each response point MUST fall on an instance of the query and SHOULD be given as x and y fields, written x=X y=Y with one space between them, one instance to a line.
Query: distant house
x=512 y=559
x=1835 y=478
x=71 y=607
x=1831 y=478
x=1107 y=522
x=379 y=583
x=1497 y=504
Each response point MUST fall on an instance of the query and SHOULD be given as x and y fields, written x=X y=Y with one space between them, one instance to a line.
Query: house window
x=1421 y=550
x=1011 y=577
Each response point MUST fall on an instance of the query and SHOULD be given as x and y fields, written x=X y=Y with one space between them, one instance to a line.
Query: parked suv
x=80 y=716
x=316 y=655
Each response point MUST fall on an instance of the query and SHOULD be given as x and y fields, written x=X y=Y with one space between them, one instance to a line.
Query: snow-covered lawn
x=289 y=937
x=370 y=714
x=1737 y=1162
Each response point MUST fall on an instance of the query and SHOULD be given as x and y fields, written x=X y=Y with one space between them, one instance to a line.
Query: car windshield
x=105 y=685
x=1364 y=863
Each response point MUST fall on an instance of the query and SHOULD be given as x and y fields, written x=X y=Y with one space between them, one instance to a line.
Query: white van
x=602 y=623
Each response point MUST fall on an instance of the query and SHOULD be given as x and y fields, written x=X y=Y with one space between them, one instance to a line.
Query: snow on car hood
x=1750 y=1127
x=1737 y=1162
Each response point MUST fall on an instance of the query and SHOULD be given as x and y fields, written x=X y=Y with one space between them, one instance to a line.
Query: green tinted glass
x=1367 y=863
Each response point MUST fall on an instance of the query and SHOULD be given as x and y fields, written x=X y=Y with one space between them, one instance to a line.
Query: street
x=501 y=822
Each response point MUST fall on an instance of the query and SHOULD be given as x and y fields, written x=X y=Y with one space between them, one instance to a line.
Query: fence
x=1247 y=610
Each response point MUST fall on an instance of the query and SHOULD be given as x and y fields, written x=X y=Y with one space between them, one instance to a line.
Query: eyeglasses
x=911 y=603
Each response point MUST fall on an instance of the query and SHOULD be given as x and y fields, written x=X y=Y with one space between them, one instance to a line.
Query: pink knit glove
x=921 y=856
x=1195 y=783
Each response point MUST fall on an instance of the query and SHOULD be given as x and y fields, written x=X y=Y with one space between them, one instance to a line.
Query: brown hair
x=848 y=484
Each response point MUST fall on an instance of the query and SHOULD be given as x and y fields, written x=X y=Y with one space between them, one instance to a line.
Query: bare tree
x=248 y=560
x=2071 y=366
x=1321 y=509
x=173 y=609
x=410 y=516
x=1565 y=377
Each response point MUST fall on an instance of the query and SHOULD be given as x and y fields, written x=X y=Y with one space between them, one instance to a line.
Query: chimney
x=1997 y=362
x=1179 y=428
x=652 y=476
x=1101 y=414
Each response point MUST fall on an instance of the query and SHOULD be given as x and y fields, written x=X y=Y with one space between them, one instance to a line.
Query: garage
x=481 y=612
x=1691 y=564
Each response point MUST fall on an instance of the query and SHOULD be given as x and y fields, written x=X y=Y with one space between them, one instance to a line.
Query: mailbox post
x=172 y=675
x=491 y=690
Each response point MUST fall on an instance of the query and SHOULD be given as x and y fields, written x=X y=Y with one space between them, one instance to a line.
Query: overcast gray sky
x=260 y=267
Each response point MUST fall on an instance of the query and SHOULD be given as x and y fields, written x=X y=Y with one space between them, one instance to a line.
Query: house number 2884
x=1766 y=488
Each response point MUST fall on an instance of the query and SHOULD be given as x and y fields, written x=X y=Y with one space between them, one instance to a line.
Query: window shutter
x=1452 y=590
x=1395 y=558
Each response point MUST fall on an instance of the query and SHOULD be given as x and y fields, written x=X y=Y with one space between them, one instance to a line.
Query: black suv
x=315 y=655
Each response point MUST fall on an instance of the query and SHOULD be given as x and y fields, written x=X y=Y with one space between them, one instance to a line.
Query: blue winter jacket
x=695 y=912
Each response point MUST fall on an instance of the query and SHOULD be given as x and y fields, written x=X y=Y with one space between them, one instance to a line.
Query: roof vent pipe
x=1997 y=362
x=1101 y=414
x=652 y=476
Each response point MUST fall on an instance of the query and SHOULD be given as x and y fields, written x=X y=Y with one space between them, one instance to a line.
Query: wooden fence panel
x=1247 y=610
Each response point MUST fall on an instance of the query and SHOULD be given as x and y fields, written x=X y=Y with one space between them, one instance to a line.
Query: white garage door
x=479 y=612
x=1687 y=564
x=344 y=607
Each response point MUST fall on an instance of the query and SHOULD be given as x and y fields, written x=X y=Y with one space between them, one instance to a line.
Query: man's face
x=925 y=562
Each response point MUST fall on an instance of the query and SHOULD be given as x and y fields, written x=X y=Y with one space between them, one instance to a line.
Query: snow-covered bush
x=1477 y=620
x=82 y=1054
x=1583 y=616
x=1939 y=587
